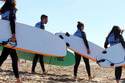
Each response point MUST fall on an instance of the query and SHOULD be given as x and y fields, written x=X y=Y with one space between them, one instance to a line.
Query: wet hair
x=79 y=25
x=117 y=32
x=8 y=5
x=43 y=16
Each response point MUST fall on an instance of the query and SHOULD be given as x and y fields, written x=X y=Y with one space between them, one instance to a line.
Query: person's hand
x=13 y=39
x=88 y=52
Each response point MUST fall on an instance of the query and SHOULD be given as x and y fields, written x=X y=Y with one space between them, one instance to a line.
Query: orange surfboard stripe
x=82 y=54
x=31 y=51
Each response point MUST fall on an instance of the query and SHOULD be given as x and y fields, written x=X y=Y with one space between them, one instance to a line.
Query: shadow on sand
x=52 y=77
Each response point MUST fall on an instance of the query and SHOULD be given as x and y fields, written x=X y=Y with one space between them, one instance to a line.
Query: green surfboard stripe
x=68 y=60
x=1 y=48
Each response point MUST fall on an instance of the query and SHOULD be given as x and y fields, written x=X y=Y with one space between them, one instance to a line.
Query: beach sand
x=57 y=74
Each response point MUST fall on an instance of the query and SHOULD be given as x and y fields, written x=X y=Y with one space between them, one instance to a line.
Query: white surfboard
x=113 y=56
x=34 y=40
x=77 y=45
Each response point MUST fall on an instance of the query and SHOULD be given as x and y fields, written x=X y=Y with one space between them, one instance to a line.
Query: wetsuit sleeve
x=85 y=40
x=122 y=42
x=12 y=22
x=106 y=44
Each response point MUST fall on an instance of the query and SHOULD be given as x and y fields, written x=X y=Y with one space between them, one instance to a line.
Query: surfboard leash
x=13 y=44
x=3 y=43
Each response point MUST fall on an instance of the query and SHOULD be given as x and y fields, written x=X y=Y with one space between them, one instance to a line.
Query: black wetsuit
x=118 y=70
x=78 y=57
x=12 y=52
x=37 y=56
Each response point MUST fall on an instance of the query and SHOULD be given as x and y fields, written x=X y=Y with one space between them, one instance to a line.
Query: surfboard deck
x=68 y=60
x=113 y=56
x=32 y=39
x=77 y=45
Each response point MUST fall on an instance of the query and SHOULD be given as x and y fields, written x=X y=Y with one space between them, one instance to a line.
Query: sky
x=98 y=16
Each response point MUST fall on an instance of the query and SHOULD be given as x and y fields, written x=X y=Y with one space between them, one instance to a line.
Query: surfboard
x=32 y=39
x=1 y=48
x=77 y=45
x=68 y=60
x=113 y=56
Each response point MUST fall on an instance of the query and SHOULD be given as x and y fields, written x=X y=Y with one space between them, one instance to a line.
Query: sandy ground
x=57 y=74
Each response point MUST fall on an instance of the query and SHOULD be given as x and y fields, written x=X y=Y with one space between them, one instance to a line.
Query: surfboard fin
x=61 y=37
x=112 y=64
x=67 y=34
x=103 y=60
x=104 y=52
x=67 y=44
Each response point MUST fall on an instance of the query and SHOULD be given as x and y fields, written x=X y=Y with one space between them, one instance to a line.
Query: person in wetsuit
x=80 y=33
x=44 y=20
x=8 y=12
x=113 y=38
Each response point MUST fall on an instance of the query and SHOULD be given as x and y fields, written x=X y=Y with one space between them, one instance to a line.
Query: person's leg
x=25 y=61
x=14 y=58
x=42 y=63
x=14 y=63
x=77 y=62
x=18 y=60
x=118 y=73
x=4 y=55
x=34 y=62
x=87 y=67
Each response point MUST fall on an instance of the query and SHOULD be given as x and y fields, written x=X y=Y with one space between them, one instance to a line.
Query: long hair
x=117 y=32
x=79 y=25
x=8 y=5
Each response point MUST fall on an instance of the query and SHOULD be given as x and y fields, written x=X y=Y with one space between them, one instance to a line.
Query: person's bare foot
x=33 y=72
x=1 y=70
x=18 y=81
x=117 y=81
x=23 y=62
x=45 y=72
x=75 y=77
x=90 y=78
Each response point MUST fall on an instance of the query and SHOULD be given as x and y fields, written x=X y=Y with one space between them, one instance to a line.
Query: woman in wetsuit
x=113 y=38
x=8 y=12
x=80 y=33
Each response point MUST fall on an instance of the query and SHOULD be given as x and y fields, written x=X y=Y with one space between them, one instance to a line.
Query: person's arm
x=122 y=42
x=86 y=42
x=106 y=44
x=12 y=25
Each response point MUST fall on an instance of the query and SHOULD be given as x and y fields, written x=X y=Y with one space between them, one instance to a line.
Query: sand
x=57 y=74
